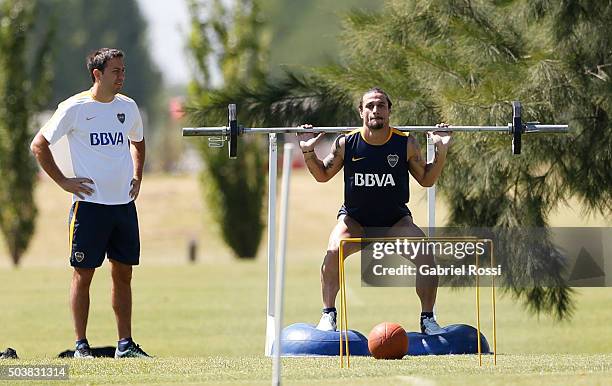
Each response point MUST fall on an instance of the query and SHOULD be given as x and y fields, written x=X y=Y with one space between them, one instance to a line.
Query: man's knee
x=348 y=248
x=83 y=276
x=121 y=273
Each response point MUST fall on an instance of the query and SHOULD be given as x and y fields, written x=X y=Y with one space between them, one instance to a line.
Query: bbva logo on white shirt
x=374 y=179
x=104 y=139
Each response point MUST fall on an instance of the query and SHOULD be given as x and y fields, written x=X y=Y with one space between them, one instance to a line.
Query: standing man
x=379 y=153
x=105 y=135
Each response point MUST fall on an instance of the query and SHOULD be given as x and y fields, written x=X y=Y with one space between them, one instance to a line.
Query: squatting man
x=376 y=159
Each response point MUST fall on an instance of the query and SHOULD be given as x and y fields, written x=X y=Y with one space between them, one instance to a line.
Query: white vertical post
x=272 y=166
x=431 y=192
x=431 y=195
x=280 y=266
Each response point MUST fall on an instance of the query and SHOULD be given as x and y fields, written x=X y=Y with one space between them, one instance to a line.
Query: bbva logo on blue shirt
x=104 y=139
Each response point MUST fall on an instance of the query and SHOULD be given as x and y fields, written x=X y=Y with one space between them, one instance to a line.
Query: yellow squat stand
x=343 y=311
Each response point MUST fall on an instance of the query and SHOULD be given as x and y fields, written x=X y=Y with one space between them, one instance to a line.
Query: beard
x=375 y=124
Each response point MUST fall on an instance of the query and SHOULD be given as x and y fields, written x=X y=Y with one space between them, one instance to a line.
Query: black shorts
x=375 y=217
x=98 y=230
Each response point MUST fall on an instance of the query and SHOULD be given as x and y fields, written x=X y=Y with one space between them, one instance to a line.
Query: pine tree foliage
x=293 y=101
x=23 y=84
x=464 y=62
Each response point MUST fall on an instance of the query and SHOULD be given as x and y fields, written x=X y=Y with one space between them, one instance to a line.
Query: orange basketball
x=388 y=341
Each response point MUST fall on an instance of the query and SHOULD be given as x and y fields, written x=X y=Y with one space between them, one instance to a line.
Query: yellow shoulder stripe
x=83 y=93
x=399 y=132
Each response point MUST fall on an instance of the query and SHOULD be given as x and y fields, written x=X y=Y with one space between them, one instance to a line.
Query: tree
x=83 y=26
x=234 y=190
x=464 y=61
x=22 y=89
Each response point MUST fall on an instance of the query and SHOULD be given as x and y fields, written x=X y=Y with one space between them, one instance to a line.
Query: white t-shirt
x=98 y=136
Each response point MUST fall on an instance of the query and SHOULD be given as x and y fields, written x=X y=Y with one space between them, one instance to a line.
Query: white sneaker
x=327 y=322
x=83 y=351
x=429 y=326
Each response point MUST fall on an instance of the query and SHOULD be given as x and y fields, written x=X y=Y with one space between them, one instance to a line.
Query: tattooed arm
x=425 y=173
x=322 y=170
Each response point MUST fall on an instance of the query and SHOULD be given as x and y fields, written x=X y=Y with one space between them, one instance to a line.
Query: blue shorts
x=375 y=217
x=98 y=230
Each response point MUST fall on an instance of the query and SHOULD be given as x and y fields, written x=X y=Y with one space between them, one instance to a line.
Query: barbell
x=222 y=134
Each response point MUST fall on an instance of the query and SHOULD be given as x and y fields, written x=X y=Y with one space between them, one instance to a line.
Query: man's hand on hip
x=77 y=186
x=135 y=188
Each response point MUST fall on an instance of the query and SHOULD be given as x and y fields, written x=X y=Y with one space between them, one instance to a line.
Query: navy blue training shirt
x=376 y=179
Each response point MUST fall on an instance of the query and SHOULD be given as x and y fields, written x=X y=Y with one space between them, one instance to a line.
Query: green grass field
x=205 y=323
